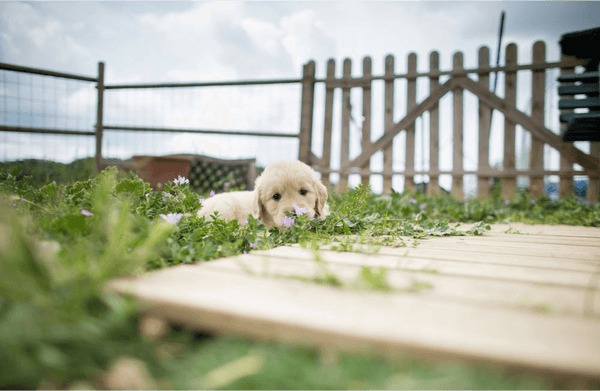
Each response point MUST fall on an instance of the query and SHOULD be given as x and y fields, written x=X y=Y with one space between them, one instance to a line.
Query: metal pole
x=99 y=114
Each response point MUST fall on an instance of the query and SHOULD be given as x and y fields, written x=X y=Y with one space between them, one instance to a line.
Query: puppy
x=281 y=186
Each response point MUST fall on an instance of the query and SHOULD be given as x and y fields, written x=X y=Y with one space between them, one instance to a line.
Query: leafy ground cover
x=60 y=243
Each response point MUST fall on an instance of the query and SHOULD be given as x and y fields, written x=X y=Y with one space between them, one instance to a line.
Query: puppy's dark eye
x=303 y=192
x=276 y=196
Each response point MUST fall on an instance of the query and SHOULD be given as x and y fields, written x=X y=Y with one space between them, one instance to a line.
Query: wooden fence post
x=434 y=122
x=485 y=113
x=388 y=153
x=510 y=95
x=538 y=94
x=457 y=130
x=366 y=109
x=593 y=188
x=328 y=121
x=565 y=185
x=411 y=101
x=99 y=116
x=346 y=116
x=306 y=112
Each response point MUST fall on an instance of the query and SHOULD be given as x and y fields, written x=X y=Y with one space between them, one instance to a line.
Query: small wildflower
x=244 y=222
x=245 y=252
x=14 y=204
x=166 y=195
x=147 y=195
x=532 y=202
x=201 y=200
x=506 y=202
x=253 y=245
x=86 y=212
x=422 y=206
x=172 y=218
x=212 y=193
x=181 y=180
x=412 y=200
x=287 y=221
x=300 y=211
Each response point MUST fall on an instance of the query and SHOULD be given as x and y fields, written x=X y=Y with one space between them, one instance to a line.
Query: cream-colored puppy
x=281 y=186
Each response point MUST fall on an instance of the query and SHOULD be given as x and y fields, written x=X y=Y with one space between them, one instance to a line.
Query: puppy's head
x=285 y=184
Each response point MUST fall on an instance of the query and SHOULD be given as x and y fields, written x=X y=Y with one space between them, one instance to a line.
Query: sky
x=151 y=42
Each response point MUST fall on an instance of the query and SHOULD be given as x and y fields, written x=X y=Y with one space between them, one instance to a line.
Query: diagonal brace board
x=537 y=129
x=386 y=140
x=574 y=155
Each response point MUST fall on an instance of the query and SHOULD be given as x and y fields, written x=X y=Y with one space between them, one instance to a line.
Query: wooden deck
x=530 y=299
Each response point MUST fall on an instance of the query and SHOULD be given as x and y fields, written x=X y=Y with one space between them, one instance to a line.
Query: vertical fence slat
x=538 y=95
x=485 y=113
x=366 y=109
x=388 y=153
x=434 y=122
x=566 y=185
x=457 y=131
x=328 y=121
x=411 y=101
x=593 y=190
x=306 y=112
x=346 y=113
x=99 y=116
x=510 y=95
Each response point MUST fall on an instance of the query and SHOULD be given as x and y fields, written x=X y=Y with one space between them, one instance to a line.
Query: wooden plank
x=411 y=259
x=538 y=108
x=294 y=312
x=561 y=231
x=434 y=120
x=411 y=101
x=509 y=185
x=565 y=184
x=306 y=112
x=558 y=299
x=593 y=190
x=589 y=163
x=328 y=121
x=366 y=109
x=388 y=152
x=457 y=131
x=485 y=113
x=346 y=115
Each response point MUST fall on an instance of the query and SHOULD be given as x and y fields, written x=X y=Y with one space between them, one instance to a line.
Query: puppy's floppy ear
x=321 y=202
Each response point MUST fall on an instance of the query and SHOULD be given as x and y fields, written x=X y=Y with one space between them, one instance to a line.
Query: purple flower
x=253 y=245
x=244 y=222
x=300 y=211
x=181 y=180
x=86 y=212
x=201 y=200
x=412 y=200
x=422 y=206
x=172 y=218
x=212 y=193
x=166 y=195
x=287 y=221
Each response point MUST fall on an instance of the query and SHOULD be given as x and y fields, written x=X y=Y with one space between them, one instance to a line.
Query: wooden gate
x=459 y=81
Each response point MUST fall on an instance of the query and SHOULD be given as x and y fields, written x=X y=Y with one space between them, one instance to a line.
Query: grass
x=61 y=242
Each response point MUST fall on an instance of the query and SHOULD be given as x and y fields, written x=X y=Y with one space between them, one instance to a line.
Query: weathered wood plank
x=485 y=113
x=411 y=102
x=366 y=109
x=346 y=116
x=565 y=184
x=434 y=121
x=306 y=112
x=328 y=120
x=457 y=131
x=455 y=288
x=509 y=185
x=295 y=312
x=538 y=108
x=388 y=152
x=593 y=190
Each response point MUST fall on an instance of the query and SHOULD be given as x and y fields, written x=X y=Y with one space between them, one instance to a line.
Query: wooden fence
x=458 y=82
